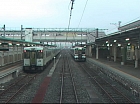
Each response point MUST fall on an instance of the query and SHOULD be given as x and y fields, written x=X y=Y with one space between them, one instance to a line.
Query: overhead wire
x=69 y=5
x=131 y=20
x=82 y=16
x=82 y=13
x=124 y=23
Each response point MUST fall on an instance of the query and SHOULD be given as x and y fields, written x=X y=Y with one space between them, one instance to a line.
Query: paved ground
x=129 y=69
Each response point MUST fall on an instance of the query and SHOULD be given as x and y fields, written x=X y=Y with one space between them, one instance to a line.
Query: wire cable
x=131 y=21
x=123 y=24
x=82 y=13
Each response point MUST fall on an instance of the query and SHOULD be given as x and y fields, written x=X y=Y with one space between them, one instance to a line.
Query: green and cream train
x=36 y=58
x=78 y=53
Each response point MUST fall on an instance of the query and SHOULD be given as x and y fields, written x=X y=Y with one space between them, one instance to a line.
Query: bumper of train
x=80 y=58
x=32 y=68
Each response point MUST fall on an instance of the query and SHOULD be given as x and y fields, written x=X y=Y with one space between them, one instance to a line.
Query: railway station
x=69 y=65
x=116 y=55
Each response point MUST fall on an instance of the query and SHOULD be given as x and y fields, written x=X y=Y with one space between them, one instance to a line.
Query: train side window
x=48 y=53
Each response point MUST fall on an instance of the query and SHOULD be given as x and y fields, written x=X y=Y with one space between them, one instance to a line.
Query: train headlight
x=75 y=56
x=83 y=56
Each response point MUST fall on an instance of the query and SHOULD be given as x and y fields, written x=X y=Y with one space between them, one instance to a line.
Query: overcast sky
x=55 y=13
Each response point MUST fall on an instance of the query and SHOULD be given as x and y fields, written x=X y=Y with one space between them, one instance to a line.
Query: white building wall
x=28 y=35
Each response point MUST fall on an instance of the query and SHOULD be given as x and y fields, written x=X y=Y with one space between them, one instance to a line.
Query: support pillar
x=90 y=54
x=2 y=59
x=136 y=57
x=115 y=52
x=97 y=49
x=14 y=53
x=123 y=54
x=86 y=50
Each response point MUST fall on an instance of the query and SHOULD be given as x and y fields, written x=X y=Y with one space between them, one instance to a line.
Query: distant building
x=92 y=36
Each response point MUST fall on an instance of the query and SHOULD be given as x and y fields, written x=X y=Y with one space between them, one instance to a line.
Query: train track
x=11 y=65
x=68 y=92
x=110 y=93
x=10 y=92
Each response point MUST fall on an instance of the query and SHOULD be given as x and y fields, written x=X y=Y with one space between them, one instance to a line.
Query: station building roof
x=121 y=37
x=5 y=41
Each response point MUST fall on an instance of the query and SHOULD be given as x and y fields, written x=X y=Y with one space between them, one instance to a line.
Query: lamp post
x=54 y=62
x=3 y=30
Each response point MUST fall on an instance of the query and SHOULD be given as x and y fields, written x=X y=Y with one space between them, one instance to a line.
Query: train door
x=26 y=58
x=33 y=58
x=80 y=53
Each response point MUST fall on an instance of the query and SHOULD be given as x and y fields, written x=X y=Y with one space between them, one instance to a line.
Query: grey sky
x=55 y=13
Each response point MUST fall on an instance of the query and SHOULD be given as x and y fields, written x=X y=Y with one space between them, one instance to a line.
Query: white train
x=78 y=53
x=36 y=58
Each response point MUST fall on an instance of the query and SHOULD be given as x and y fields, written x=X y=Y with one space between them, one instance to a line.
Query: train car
x=36 y=58
x=78 y=53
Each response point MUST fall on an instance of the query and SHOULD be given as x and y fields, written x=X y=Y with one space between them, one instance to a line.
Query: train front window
x=39 y=54
x=27 y=54
x=83 y=51
x=80 y=51
x=76 y=51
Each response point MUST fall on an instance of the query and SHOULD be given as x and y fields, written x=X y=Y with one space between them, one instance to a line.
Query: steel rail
x=73 y=83
x=20 y=89
x=62 y=81
x=7 y=100
x=105 y=90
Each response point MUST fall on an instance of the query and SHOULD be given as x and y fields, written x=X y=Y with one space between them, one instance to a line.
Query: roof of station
x=130 y=35
x=6 y=40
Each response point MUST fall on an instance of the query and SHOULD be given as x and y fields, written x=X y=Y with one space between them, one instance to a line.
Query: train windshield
x=40 y=54
x=83 y=51
x=80 y=51
x=27 y=54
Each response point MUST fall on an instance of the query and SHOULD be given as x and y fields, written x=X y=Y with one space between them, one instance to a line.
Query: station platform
x=128 y=69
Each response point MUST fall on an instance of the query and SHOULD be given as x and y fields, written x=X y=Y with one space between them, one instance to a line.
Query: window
x=26 y=54
x=83 y=51
x=39 y=54
x=76 y=51
x=79 y=51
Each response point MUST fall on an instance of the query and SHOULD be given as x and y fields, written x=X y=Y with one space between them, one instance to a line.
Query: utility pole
x=97 y=32
x=117 y=25
x=4 y=30
x=21 y=31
